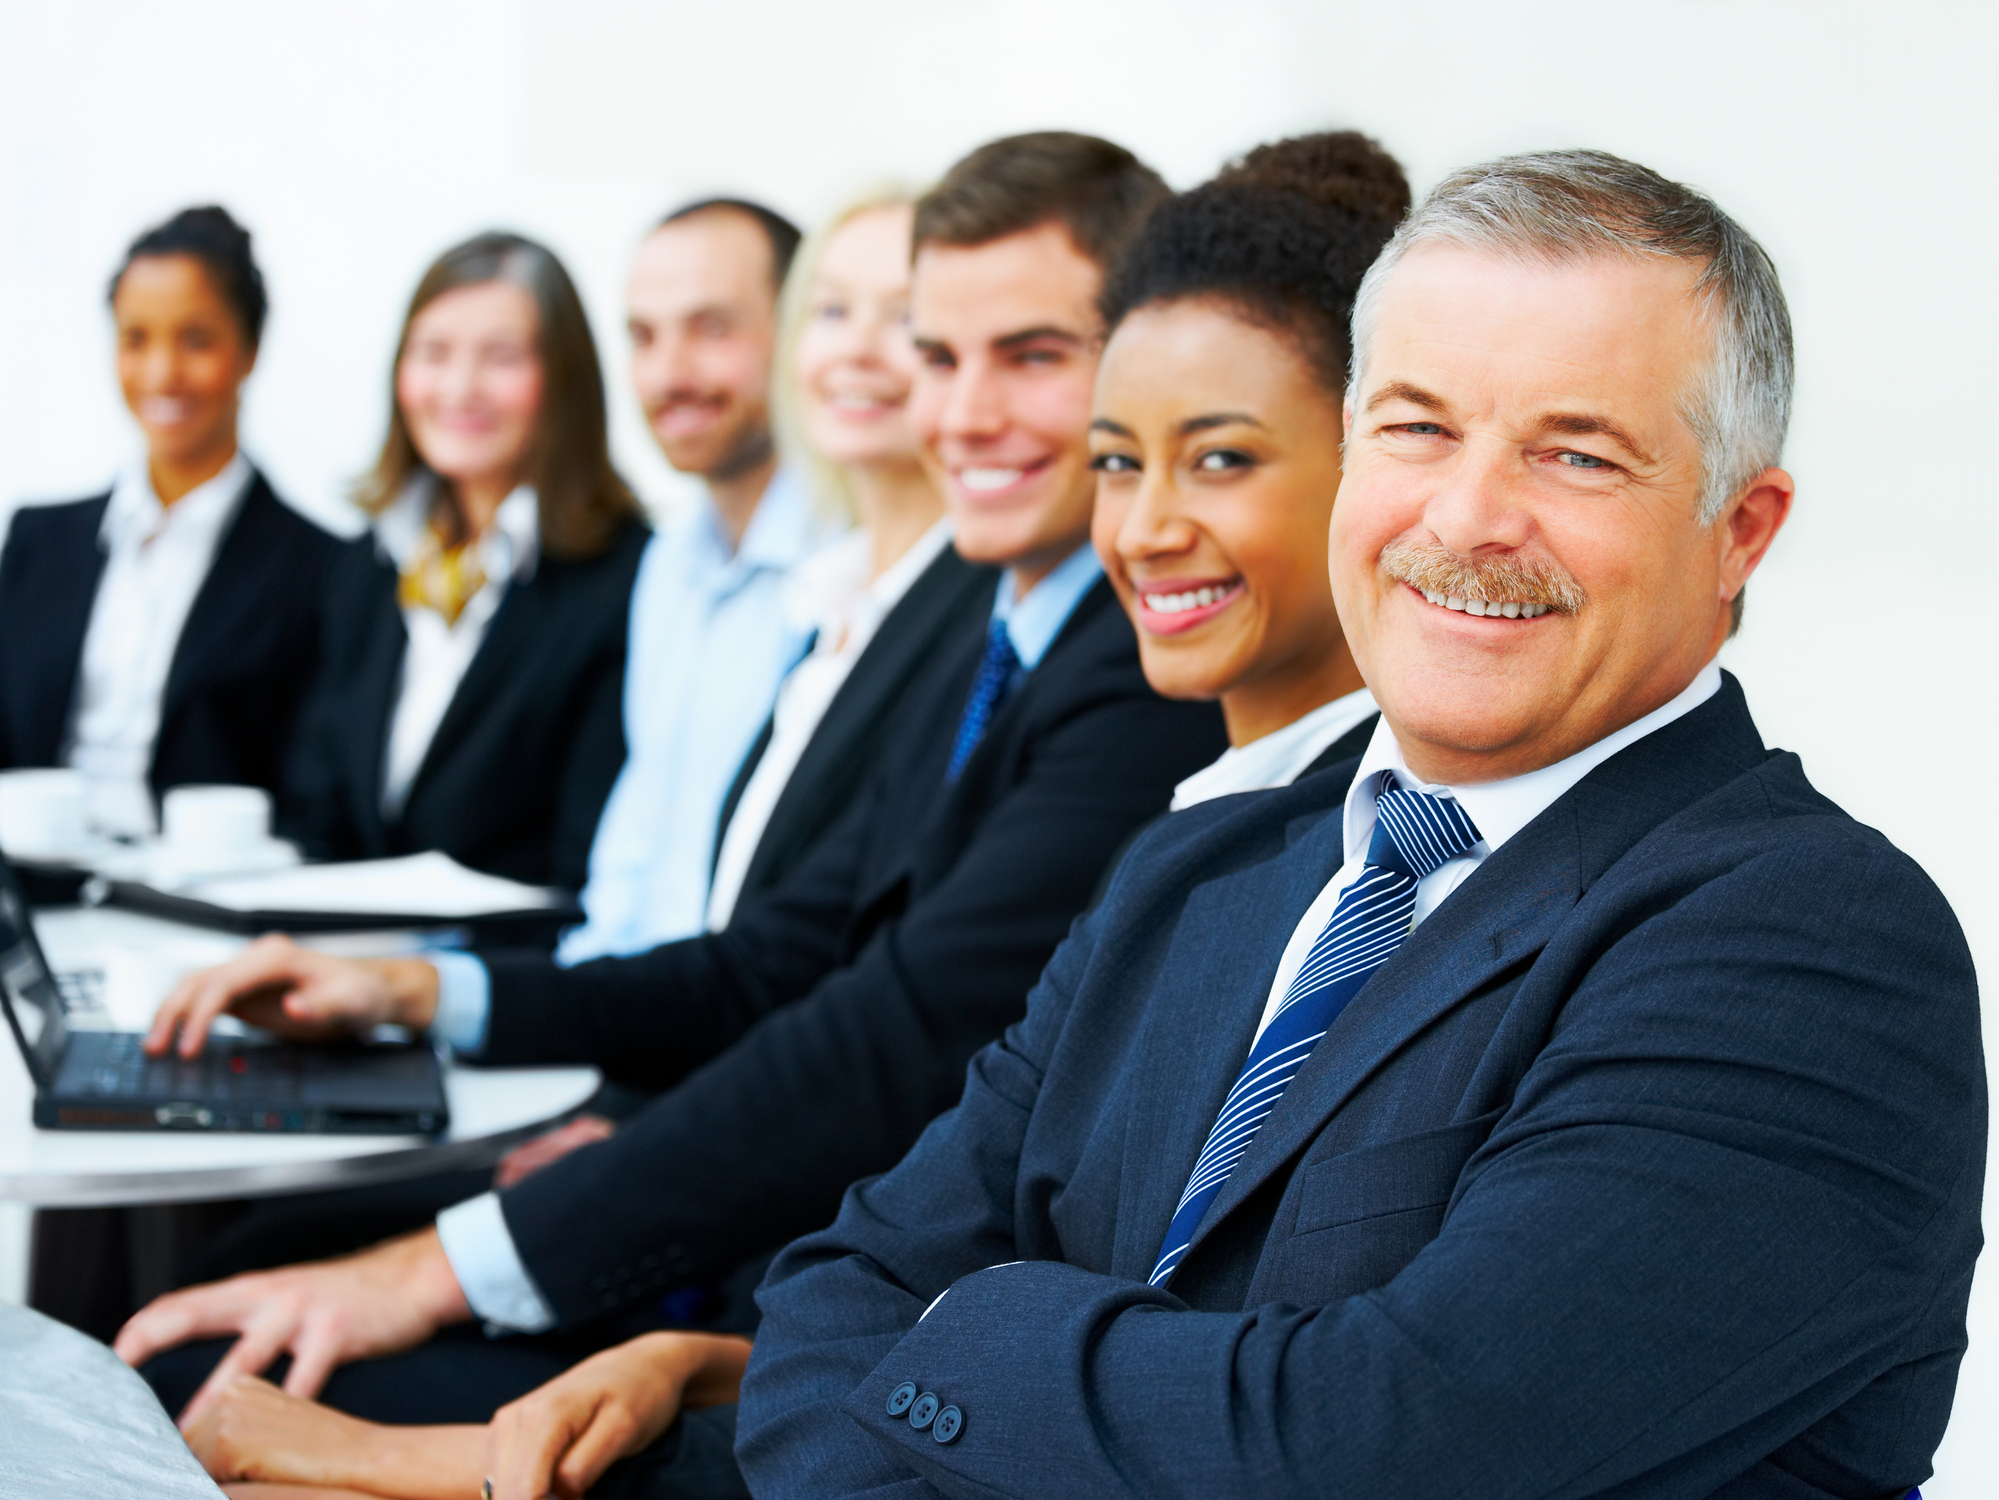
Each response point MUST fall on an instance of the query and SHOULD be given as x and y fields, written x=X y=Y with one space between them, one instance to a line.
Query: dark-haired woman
x=1217 y=434
x=1217 y=437
x=471 y=696
x=164 y=633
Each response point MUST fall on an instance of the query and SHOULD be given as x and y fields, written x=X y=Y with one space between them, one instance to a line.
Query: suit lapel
x=514 y=626
x=1502 y=915
x=1200 y=1017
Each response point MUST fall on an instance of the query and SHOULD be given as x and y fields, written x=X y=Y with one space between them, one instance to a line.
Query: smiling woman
x=1216 y=441
x=470 y=696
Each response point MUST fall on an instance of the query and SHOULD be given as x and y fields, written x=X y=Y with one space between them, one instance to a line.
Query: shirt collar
x=784 y=529
x=1280 y=757
x=511 y=547
x=1502 y=808
x=1032 y=623
x=135 y=516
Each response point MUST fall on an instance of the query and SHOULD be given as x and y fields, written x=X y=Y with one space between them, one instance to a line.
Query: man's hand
x=560 y=1438
x=297 y=992
x=545 y=1150
x=381 y=1301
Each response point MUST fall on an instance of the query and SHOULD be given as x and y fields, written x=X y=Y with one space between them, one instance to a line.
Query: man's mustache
x=1425 y=563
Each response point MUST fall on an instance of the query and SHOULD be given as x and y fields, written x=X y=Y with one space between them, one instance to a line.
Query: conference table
x=138 y=958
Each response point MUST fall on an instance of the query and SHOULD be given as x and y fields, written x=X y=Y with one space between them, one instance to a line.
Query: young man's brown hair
x=1099 y=192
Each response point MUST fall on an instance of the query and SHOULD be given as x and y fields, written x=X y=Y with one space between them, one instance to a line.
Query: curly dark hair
x=1282 y=236
x=222 y=247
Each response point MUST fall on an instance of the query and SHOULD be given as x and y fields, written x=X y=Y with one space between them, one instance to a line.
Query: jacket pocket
x=1395 y=1177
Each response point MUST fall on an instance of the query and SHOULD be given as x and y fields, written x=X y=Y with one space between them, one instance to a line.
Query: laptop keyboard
x=117 y=1069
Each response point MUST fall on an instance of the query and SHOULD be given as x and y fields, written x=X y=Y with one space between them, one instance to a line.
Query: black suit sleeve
x=757 y=1146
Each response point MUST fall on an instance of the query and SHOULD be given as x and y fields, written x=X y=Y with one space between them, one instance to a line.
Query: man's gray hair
x=1569 y=205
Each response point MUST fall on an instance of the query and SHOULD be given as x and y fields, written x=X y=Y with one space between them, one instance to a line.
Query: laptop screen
x=27 y=990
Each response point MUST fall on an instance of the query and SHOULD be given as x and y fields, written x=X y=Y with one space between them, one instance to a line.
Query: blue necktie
x=1414 y=833
x=999 y=669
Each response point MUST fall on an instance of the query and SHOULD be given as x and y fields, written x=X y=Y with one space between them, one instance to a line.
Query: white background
x=1858 y=139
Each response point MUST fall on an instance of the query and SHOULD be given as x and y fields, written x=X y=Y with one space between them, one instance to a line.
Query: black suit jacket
x=813 y=1038
x=849 y=741
x=525 y=755
x=1648 y=1166
x=240 y=670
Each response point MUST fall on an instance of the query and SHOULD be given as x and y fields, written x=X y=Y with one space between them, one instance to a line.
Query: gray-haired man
x=1570 y=1102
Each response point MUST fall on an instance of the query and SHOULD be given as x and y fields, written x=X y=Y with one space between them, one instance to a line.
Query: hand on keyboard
x=296 y=992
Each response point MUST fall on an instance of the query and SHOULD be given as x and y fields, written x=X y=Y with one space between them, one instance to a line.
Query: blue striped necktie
x=1414 y=833
x=999 y=669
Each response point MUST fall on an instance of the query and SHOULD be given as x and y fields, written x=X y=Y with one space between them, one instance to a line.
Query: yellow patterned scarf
x=440 y=577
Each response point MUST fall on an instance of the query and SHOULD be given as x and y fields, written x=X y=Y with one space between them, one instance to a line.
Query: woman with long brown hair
x=471 y=696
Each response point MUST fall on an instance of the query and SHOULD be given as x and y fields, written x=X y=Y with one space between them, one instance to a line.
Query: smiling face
x=701 y=307
x=469 y=383
x=1516 y=440
x=182 y=359
x=1007 y=335
x=1217 y=454
x=854 y=363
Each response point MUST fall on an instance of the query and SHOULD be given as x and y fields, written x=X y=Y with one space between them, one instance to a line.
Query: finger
x=250 y=1355
x=314 y=1359
x=608 y=1438
x=537 y=1432
x=166 y=1020
x=178 y=1317
x=269 y=963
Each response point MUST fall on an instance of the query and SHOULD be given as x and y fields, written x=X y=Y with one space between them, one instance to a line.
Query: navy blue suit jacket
x=1649 y=1165
x=240 y=670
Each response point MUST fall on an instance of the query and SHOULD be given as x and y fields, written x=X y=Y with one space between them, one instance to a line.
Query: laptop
x=95 y=1079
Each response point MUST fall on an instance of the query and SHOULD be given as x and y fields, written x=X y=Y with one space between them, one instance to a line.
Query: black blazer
x=526 y=753
x=1648 y=1166
x=240 y=670
x=835 y=1014
x=847 y=745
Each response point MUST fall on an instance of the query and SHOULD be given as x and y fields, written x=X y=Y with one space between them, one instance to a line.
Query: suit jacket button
x=924 y=1412
x=902 y=1398
x=950 y=1422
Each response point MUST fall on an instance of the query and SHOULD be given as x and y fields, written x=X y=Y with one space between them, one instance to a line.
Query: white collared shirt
x=157 y=558
x=439 y=653
x=1279 y=758
x=1499 y=809
x=832 y=597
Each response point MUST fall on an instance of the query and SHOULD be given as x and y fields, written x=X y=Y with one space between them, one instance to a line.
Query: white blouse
x=157 y=558
x=438 y=654
x=1280 y=757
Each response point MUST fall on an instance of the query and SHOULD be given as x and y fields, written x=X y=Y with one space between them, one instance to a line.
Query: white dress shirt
x=1499 y=809
x=157 y=558
x=474 y=1233
x=831 y=594
x=1280 y=757
x=439 y=652
x=710 y=641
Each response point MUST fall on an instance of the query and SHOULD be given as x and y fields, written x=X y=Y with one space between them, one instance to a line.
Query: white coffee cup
x=209 y=824
x=44 y=811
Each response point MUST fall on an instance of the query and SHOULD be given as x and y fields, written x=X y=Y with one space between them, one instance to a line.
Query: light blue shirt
x=474 y=1233
x=711 y=640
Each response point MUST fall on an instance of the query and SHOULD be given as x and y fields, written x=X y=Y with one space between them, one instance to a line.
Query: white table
x=491 y=1109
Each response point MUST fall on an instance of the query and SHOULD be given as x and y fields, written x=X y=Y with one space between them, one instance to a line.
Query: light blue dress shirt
x=474 y=1233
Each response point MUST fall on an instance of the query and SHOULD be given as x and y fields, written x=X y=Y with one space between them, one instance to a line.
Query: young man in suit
x=1577 y=1103
x=809 y=1042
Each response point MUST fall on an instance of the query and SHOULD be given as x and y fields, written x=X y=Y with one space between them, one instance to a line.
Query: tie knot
x=1415 y=832
x=1000 y=657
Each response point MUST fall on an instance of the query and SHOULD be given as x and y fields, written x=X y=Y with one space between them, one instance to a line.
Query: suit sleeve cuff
x=464 y=1002
x=489 y=1268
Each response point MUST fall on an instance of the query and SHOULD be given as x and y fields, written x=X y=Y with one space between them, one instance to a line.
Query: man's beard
x=752 y=451
x=1425 y=563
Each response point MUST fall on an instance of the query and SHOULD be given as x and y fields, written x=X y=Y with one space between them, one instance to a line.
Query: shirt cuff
x=464 y=1001
x=489 y=1269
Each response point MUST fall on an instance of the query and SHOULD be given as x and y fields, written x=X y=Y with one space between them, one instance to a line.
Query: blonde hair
x=832 y=488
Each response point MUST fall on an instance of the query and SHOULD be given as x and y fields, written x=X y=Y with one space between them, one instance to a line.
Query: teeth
x=1512 y=609
x=987 y=479
x=1173 y=604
